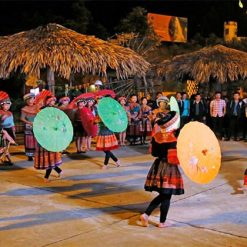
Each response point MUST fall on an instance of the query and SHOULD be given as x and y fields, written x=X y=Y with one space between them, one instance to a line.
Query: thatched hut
x=217 y=63
x=65 y=52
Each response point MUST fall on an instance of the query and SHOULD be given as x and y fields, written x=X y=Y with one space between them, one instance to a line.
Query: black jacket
x=202 y=110
x=230 y=108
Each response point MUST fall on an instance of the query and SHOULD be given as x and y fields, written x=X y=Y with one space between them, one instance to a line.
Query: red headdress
x=106 y=92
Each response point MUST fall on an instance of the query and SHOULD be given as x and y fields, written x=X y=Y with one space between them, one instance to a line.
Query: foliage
x=134 y=22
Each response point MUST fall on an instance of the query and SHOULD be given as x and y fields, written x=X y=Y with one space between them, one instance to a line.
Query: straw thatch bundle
x=65 y=51
x=219 y=63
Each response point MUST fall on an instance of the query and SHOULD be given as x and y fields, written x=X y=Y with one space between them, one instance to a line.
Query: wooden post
x=145 y=86
x=51 y=80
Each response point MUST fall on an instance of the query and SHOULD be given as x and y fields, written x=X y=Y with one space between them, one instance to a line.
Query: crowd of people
x=145 y=119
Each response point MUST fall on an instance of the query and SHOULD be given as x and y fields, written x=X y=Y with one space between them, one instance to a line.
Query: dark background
x=102 y=17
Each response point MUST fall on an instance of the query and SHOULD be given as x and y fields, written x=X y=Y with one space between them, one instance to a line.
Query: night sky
x=204 y=16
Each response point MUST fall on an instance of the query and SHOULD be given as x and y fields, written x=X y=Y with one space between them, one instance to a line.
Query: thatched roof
x=219 y=63
x=65 y=51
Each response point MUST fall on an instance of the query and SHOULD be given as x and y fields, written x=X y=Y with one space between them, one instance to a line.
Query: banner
x=169 y=28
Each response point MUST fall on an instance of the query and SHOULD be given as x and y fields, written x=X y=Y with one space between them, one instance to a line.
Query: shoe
x=117 y=163
x=227 y=139
x=244 y=188
x=8 y=163
x=60 y=175
x=163 y=225
x=104 y=167
x=30 y=158
x=144 y=220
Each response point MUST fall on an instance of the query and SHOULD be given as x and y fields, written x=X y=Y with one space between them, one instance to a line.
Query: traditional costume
x=6 y=116
x=164 y=176
x=63 y=103
x=134 y=126
x=7 y=127
x=145 y=123
x=44 y=159
x=28 y=114
x=79 y=131
x=106 y=139
x=122 y=136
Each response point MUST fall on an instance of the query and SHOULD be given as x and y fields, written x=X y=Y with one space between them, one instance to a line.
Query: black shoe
x=30 y=158
x=8 y=163
x=227 y=139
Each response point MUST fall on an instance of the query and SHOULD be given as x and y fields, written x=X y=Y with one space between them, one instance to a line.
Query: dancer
x=164 y=176
x=145 y=123
x=44 y=159
x=80 y=134
x=91 y=107
x=6 y=122
x=122 y=135
x=28 y=114
x=106 y=140
x=162 y=103
x=63 y=103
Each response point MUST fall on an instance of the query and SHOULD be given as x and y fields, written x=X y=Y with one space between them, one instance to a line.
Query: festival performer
x=6 y=120
x=91 y=107
x=28 y=114
x=106 y=139
x=63 y=103
x=5 y=141
x=164 y=176
x=122 y=136
x=134 y=127
x=44 y=159
x=145 y=123
x=162 y=103
x=80 y=134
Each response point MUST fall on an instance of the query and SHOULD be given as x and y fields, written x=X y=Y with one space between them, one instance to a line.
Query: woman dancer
x=44 y=159
x=90 y=106
x=6 y=122
x=80 y=134
x=28 y=114
x=164 y=176
x=106 y=139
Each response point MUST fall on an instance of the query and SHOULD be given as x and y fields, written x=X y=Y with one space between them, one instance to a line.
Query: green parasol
x=112 y=114
x=53 y=129
x=174 y=107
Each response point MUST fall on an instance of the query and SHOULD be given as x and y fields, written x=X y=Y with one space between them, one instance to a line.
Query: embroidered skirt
x=145 y=127
x=164 y=178
x=44 y=159
x=29 y=140
x=106 y=140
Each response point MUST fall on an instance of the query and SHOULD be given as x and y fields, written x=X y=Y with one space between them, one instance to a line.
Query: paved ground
x=92 y=207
